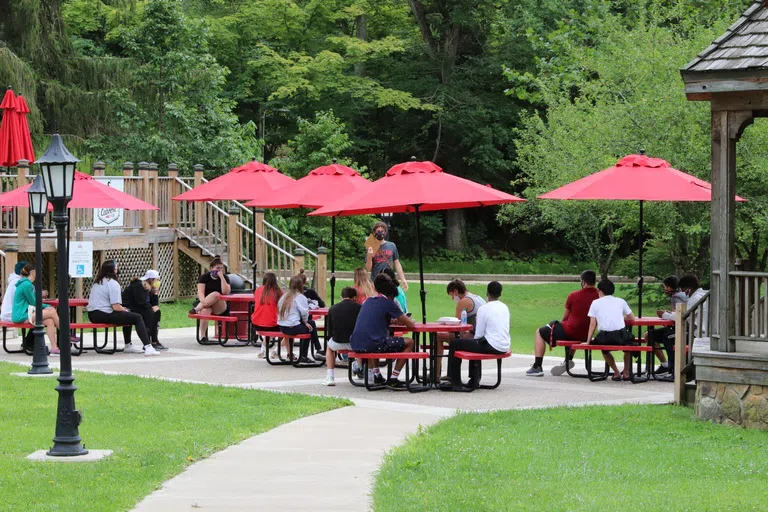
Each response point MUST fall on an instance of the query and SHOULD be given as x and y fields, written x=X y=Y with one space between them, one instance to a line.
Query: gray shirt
x=103 y=295
x=298 y=312
x=384 y=258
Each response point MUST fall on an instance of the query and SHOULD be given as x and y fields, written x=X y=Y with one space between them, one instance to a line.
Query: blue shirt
x=372 y=324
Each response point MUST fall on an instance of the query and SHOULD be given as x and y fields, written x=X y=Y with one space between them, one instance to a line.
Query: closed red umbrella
x=313 y=191
x=254 y=180
x=10 y=140
x=637 y=178
x=87 y=193
x=416 y=187
x=26 y=149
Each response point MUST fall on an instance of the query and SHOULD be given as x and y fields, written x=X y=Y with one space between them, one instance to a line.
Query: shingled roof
x=743 y=47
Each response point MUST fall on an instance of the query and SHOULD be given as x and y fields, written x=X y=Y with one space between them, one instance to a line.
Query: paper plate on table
x=448 y=320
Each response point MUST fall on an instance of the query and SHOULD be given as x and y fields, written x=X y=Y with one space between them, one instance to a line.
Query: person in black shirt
x=341 y=322
x=140 y=296
x=309 y=293
x=210 y=287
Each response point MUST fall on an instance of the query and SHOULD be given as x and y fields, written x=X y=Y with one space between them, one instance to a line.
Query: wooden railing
x=275 y=259
x=203 y=223
x=689 y=324
x=750 y=305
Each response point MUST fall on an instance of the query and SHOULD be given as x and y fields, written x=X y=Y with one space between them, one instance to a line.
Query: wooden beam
x=679 y=364
x=234 y=242
x=22 y=221
x=321 y=273
x=176 y=271
x=173 y=191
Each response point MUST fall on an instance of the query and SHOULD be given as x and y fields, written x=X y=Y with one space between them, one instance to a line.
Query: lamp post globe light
x=38 y=206
x=57 y=167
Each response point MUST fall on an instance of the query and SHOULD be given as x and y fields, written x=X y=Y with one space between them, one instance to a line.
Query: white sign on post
x=109 y=217
x=80 y=259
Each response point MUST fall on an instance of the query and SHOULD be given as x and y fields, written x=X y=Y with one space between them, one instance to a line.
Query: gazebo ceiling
x=736 y=61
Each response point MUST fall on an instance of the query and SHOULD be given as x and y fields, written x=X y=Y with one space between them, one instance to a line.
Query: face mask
x=214 y=273
x=379 y=235
x=156 y=285
x=456 y=299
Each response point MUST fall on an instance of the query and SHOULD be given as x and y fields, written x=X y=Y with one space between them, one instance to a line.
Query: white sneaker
x=273 y=355
x=329 y=381
x=262 y=355
x=149 y=350
x=560 y=369
x=133 y=349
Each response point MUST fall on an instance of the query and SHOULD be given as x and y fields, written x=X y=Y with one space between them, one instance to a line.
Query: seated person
x=363 y=285
x=574 y=326
x=341 y=322
x=491 y=337
x=105 y=307
x=24 y=297
x=311 y=294
x=210 y=287
x=400 y=298
x=138 y=298
x=371 y=333
x=611 y=315
x=10 y=289
x=663 y=335
x=264 y=316
x=465 y=301
x=293 y=318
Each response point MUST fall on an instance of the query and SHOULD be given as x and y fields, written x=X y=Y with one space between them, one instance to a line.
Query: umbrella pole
x=333 y=259
x=640 y=278
x=253 y=248
x=422 y=291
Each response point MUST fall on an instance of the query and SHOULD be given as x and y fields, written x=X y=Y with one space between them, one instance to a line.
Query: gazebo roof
x=739 y=54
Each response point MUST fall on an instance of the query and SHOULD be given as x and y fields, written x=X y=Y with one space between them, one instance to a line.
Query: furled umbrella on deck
x=636 y=178
x=26 y=150
x=417 y=187
x=314 y=191
x=254 y=180
x=11 y=144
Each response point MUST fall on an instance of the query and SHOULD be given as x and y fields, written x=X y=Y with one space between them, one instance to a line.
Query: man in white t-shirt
x=611 y=315
x=491 y=337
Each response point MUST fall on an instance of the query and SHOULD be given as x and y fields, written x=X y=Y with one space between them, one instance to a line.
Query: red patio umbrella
x=416 y=187
x=254 y=180
x=10 y=137
x=637 y=178
x=313 y=191
x=26 y=150
x=87 y=193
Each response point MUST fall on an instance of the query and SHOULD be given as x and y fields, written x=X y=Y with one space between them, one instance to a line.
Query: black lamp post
x=57 y=166
x=38 y=206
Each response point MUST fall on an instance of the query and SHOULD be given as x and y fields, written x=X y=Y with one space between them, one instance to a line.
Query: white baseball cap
x=151 y=274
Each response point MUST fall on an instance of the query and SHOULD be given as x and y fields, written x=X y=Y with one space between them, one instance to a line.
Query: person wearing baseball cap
x=142 y=296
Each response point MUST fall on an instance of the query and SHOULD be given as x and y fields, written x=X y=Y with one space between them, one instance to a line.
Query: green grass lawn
x=530 y=305
x=597 y=458
x=155 y=428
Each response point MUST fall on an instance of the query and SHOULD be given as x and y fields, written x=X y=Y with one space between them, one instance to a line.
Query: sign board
x=80 y=259
x=109 y=217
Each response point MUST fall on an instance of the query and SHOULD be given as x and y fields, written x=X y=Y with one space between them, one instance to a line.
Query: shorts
x=333 y=345
x=553 y=332
x=391 y=344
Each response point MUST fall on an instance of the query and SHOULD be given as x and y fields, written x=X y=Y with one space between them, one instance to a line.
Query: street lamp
x=57 y=166
x=387 y=218
x=38 y=207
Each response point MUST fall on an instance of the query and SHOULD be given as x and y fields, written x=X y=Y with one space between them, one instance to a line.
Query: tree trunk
x=455 y=229
x=361 y=32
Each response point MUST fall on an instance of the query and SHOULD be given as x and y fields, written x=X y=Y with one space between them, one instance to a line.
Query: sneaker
x=159 y=346
x=273 y=355
x=662 y=370
x=560 y=369
x=395 y=384
x=344 y=357
x=319 y=357
x=379 y=379
x=149 y=350
x=204 y=340
x=329 y=381
x=357 y=370
x=74 y=339
x=533 y=371
x=262 y=355
x=54 y=353
x=133 y=349
x=192 y=311
x=305 y=360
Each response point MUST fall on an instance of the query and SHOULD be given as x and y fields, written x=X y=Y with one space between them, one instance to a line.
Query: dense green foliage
x=525 y=95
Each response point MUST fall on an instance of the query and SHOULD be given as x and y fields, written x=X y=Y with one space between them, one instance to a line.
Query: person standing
x=341 y=323
x=574 y=326
x=385 y=256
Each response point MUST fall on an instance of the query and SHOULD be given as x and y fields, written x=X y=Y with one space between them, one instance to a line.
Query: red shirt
x=577 y=323
x=264 y=315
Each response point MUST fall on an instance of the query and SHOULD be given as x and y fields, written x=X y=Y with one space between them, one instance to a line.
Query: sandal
x=617 y=377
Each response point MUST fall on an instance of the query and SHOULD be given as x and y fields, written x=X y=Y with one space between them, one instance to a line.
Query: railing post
x=99 y=168
x=234 y=242
x=144 y=175
x=680 y=347
x=154 y=184
x=199 y=207
x=261 y=248
x=22 y=220
x=127 y=168
x=298 y=262
x=173 y=191
x=321 y=272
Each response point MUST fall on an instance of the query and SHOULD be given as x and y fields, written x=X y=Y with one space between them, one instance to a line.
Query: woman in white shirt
x=293 y=316
x=105 y=307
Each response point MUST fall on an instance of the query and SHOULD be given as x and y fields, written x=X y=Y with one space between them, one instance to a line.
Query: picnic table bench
x=390 y=356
